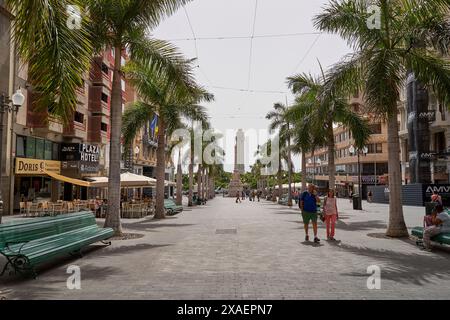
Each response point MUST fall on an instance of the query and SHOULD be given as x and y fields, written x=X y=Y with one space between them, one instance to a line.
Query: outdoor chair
x=33 y=210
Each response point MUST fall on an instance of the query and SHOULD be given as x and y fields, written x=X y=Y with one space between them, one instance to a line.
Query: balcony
x=99 y=77
x=75 y=130
x=95 y=134
x=96 y=104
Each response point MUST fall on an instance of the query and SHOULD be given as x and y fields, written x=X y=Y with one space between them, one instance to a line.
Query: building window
x=30 y=147
x=79 y=117
x=375 y=148
x=105 y=69
x=439 y=142
x=40 y=146
x=48 y=150
x=55 y=151
x=104 y=97
x=104 y=127
x=375 y=128
x=20 y=146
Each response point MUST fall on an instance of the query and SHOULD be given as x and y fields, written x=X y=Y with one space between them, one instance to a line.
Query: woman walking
x=331 y=214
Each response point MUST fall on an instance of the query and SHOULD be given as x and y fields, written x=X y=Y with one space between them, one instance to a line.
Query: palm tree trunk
x=113 y=217
x=160 y=170
x=179 y=200
x=397 y=227
x=303 y=170
x=204 y=183
x=290 y=178
x=331 y=153
x=199 y=181
x=191 y=178
x=280 y=179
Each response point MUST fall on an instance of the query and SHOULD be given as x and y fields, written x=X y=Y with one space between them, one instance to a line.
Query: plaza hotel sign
x=79 y=158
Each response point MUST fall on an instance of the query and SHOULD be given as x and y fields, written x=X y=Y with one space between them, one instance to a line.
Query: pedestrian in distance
x=350 y=196
x=330 y=211
x=238 y=198
x=308 y=206
x=369 y=196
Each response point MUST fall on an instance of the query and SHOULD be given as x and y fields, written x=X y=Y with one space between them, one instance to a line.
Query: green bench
x=171 y=208
x=28 y=243
x=443 y=238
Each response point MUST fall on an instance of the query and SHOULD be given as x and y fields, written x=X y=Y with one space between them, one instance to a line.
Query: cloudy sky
x=247 y=76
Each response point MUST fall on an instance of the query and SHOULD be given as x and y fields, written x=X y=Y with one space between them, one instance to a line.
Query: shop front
x=32 y=181
x=80 y=161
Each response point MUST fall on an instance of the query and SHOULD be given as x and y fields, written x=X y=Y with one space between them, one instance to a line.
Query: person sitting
x=436 y=198
x=440 y=223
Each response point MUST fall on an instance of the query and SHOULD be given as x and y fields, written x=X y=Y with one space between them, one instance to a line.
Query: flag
x=154 y=127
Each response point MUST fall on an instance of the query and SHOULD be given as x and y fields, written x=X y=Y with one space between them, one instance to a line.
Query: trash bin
x=356 y=202
x=429 y=207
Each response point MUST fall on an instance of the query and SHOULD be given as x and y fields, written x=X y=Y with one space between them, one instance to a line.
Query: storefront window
x=55 y=154
x=31 y=147
x=40 y=148
x=20 y=146
x=48 y=150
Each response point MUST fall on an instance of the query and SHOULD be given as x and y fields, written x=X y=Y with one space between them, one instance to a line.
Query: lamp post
x=354 y=150
x=7 y=105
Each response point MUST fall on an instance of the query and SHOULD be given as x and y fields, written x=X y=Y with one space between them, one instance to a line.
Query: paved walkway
x=248 y=251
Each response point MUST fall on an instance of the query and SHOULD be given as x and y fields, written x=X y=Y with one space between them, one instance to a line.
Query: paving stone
x=183 y=257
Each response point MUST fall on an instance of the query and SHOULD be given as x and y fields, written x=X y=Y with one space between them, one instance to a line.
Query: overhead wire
x=307 y=53
x=251 y=45
x=280 y=35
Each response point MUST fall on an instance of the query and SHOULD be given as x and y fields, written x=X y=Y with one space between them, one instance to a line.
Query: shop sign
x=36 y=166
x=442 y=189
x=80 y=156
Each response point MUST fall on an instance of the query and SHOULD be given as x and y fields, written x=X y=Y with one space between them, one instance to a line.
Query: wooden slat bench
x=171 y=208
x=26 y=244
x=443 y=238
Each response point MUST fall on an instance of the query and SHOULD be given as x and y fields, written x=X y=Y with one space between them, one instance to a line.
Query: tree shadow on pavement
x=417 y=268
x=152 y=224
x=353 y=226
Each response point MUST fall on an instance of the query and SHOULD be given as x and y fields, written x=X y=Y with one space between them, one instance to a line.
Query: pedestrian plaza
x=249 y=250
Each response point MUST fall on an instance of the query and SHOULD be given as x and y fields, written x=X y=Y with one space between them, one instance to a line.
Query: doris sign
x=35 y=166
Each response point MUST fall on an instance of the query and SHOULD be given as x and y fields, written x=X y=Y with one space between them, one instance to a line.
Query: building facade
x=425 y=159
x=373 y=164
x=35 y=143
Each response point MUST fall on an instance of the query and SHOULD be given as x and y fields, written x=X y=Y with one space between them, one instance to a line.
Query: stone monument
x=239 y=166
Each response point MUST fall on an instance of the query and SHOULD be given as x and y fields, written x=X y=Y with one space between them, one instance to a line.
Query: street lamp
x=7 y=105
x=354 y=150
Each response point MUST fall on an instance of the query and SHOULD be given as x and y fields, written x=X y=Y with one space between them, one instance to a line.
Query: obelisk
x=239 y=166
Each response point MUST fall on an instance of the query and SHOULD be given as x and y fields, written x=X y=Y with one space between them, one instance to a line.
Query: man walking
x=308 y=206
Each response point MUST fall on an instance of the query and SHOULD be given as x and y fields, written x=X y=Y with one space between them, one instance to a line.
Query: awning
x=127 y=180
x=59 y=177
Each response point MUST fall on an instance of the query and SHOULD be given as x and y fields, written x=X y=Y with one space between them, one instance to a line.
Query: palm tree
x=172 y=102
x=324 y=111
x=59 y=56
x=406 y=41
x=281 y=122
